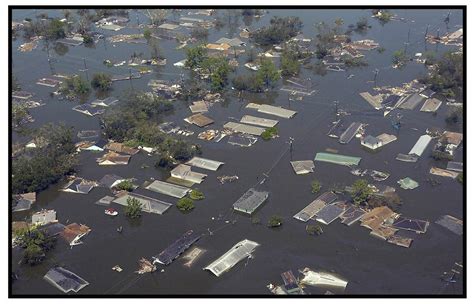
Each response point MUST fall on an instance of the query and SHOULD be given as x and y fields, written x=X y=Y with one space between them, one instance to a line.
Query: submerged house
x=315 y=206
x=205 y=163
x=184 y=172
x=302 y=166
x=371 y=142
x=250 y=201
x=65 y=280
x=113 y=158
x=73 y=233
x=174 y=250
x=237 y=253
x=168 y=189
x=121 y=148
x=149 y=205
x=420 y=145
x=79 y=185
x=43 y=217
x=23 y=201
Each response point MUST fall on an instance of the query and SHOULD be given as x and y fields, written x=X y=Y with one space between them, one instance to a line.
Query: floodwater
x=371 y=266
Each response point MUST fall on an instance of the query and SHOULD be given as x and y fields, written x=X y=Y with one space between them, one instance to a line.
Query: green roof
x=337 y=159
x=408 y=183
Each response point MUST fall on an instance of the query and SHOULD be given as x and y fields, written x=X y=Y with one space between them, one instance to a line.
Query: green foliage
x=399 y=58
x=185 y=204
x=200 y=33
x=19 y=114
x=355 y=62
x=218 y=69
x=275 y=221
x=362 y=24
x=268 y=73
x=380 y=49
x=133 y=208
x=460 y=177
x=279 y=30
x=75 y=86
x=195 y=56
x=54 y=30
x=47 y=163
x=314 y=229
x=315 y=186
x=15 y=84
x=269 y=133
x=290 y=66
x=384 y=16
x=248 y=82
x=147 y=33
x=88 y=40
x=196 y=195
x=125 y=185
x=360 y=191
x=454 y=116
x=448 y=75
x=34 y=244
x=101 y=81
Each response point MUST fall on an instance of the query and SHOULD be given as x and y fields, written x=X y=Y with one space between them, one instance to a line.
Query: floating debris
x=145 y=266
x=227 y=178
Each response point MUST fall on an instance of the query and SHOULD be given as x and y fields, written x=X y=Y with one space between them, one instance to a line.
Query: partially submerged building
x=106 y=102
x=302 y=166
x=184 y=172
x=408 y=183
x=246 y=129
x=272 y=110
x=88 y=109
x=149 y=205
x=168 y=189
x=199 y=120
x=237 y=253
x=455 y=166
x=321 y=278
x=112 y=158
x=431 y=105
x=73 y=233
x=350 y=132
x=263 y=122
x=174 y=250
x=412 y=101
x=371 y=142
x=315 y=206
x=443 y=172
x=65 y=280
x=23 y=201
x=43 y=217
x=351 y=215
x=420 y=145
x=111 y=180
x=79 y=185
x=121 y=148
x=337 y=159
x=451 y=223
x=204 y=163
x=415 y=225
x=250 y=201
x=329 y=213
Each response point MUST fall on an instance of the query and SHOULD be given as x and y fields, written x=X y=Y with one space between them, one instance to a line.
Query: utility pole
x=290 y=142
x=376 y=73
x=130 y=73
x=85 y=69
x=426 y=32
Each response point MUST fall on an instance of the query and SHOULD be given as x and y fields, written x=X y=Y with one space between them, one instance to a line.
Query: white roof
x=238 y=252
x=241 y=128
x=205 y=163
x=420 y=145
x=272 y=110
x=248 y=119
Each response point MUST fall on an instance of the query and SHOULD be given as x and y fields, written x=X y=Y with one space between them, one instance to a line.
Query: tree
x=448 y=75
x=399 y=58
x=75 y=86
x=460 y=177
x=200 y=33
x=268 y=73
x=279 y=30
x=101 y=81
x=314 y=229
x=125 y=185
x=360 y=191
x=362 y=24
x=133 y=208
x=290 y=66
x=157 y=16
x=196 y=195
x=315 y=186
x=275 y=221
x=35 y=244
x=55 y=30
x=185 y=204
x=195 y=56
x=147 y=33
x=269 y=133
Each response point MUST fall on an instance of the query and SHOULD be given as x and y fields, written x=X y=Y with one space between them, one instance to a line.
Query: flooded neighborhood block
x=204 y=163
x=451 y=223
x=174 y=250
x=237 y=253
x=168 y=189
x=250 y=201
x=65 y=280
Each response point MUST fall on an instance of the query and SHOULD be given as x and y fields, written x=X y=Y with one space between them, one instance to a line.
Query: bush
x=101 y=81
x=279 y=30
x=460 y=177
x=125 y=185
x=314 y=229
x=275 y=221
x=185 y=204
x=269 y=133
x=195 y=194
x=133 y=208
x=147 y=34
x=360 y=191
x=315 y=186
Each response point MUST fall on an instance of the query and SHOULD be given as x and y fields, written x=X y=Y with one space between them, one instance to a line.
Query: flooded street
x=370 y=265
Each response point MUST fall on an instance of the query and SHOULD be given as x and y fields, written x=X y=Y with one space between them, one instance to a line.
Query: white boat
x=111 y=212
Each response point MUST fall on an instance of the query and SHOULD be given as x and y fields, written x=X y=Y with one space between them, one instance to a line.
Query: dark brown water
x=370 y=265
